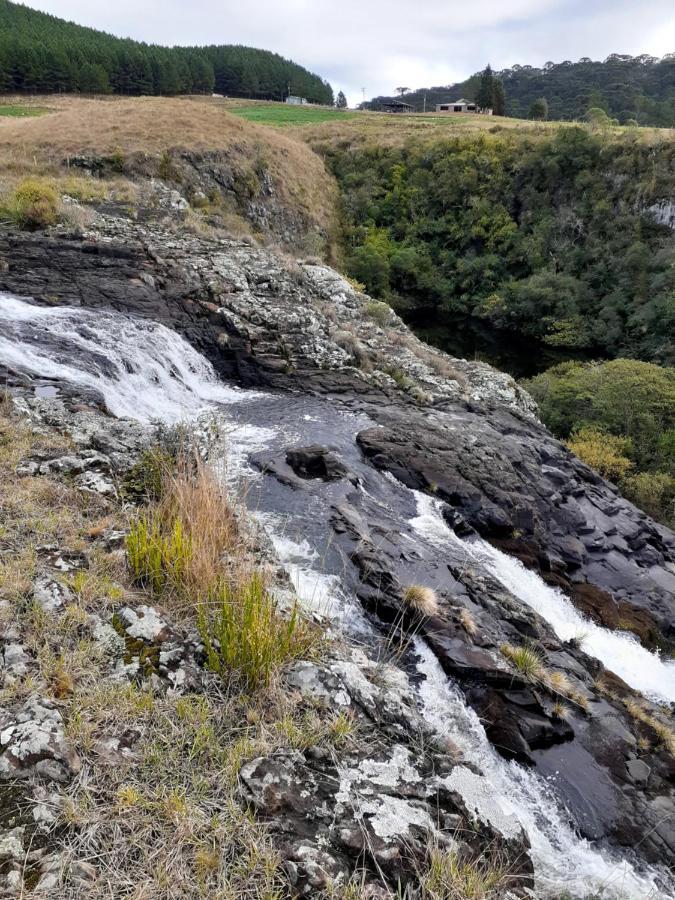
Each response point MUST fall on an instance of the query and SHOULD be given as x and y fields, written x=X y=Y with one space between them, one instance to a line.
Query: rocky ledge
x=462 y=430
x=467 y=436
x=368 y=807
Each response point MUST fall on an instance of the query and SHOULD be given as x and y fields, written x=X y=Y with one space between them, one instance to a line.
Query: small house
x=462 y=106
x=296 y=101
x=396 y=106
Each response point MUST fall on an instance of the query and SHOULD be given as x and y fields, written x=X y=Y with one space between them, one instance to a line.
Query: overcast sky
x=381 y=44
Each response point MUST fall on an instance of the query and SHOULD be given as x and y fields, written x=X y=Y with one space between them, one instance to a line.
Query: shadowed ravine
x=322 y=530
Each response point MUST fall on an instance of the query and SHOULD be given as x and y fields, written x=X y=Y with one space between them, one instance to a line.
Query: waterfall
x=142 y=370
x=146 y=371
x=621 y=652
x=562 y=860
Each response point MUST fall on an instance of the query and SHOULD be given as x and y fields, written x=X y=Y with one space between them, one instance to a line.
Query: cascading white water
x=620 y=652
x=143 y=370
x=146 y=371
x=562 y=860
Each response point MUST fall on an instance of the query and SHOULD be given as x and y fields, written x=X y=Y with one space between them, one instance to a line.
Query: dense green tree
x=539 y=109
x=499 y=98
x=341 y=101
x=548 y=237
x=619 y=417
x=41 y=53
x=93 y=79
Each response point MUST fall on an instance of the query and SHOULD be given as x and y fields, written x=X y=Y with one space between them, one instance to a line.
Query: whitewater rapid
x=148 y=372
x=621 y=652
x=143 y=370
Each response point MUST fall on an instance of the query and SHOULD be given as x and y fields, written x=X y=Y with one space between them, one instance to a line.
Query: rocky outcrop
x=458 y=431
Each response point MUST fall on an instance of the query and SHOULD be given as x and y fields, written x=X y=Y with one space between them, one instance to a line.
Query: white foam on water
x=318 y=591
x=144 y=371
x=645 y=671
x=510 y=793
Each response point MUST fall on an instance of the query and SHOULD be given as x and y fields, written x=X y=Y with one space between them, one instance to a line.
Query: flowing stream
x=148 y=372
x=621 y=652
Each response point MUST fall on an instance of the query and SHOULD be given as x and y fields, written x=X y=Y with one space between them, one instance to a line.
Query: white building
x=462 y=106
x=296 y=101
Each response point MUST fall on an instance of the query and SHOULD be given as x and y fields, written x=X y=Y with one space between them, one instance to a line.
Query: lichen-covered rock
x=381 y=807
x=33 y=742
x=52 y=595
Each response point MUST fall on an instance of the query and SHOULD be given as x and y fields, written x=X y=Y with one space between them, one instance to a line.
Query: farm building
x=396 y=106
x=462 y=106
x=296 y=101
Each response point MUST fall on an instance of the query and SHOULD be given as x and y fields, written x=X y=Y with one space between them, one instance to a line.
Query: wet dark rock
x=317 y=462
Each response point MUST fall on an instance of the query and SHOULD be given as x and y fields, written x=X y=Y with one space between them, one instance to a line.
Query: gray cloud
x=380 y=45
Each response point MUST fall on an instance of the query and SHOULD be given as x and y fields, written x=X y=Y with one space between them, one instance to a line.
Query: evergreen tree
x=499 y=98
x=485 y=95
x=93 y=79
x=341 y=101
x=41 y=53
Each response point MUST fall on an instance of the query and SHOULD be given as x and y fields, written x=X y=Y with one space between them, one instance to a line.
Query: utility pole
x=425 y=101
x=363 y=92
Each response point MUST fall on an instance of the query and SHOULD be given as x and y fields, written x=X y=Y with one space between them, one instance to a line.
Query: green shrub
x=654 y=492
x=245 y=635
x=34 y=204
x=143 y=483
x=379 y=312
x=603 y=452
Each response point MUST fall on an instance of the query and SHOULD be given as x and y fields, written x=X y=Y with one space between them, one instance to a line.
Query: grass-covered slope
x=45 y=54
x=224 y=164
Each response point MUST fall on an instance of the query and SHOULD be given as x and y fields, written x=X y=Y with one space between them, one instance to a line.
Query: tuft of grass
x=180 y=545
x=245 y=635
x=452 y=876
x=468 y=623
x=34 y=204
x=560 y=711
x=158 y=556
x=559 y=683
x=421 y=599
x=528 y=661
x=663 y=734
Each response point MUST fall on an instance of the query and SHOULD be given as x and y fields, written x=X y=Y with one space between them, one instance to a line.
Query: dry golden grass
x=169 y=822
x=371 y=129
x=421 y=599
x=122 y=127
x=188 y=539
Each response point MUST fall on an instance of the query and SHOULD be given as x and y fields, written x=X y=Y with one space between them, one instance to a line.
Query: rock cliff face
x=465 y=436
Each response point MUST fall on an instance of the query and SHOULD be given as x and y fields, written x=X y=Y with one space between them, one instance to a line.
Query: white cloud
x=380 y=45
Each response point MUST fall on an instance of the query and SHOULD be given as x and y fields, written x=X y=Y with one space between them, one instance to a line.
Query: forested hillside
x=626 y=87
x=40 y=53
x=552 y=238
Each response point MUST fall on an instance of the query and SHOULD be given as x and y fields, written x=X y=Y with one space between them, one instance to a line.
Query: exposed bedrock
x=459 y=431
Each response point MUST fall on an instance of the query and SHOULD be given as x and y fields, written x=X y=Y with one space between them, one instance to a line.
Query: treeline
x=40 y=53
x=553 y=237
x=639 y=88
